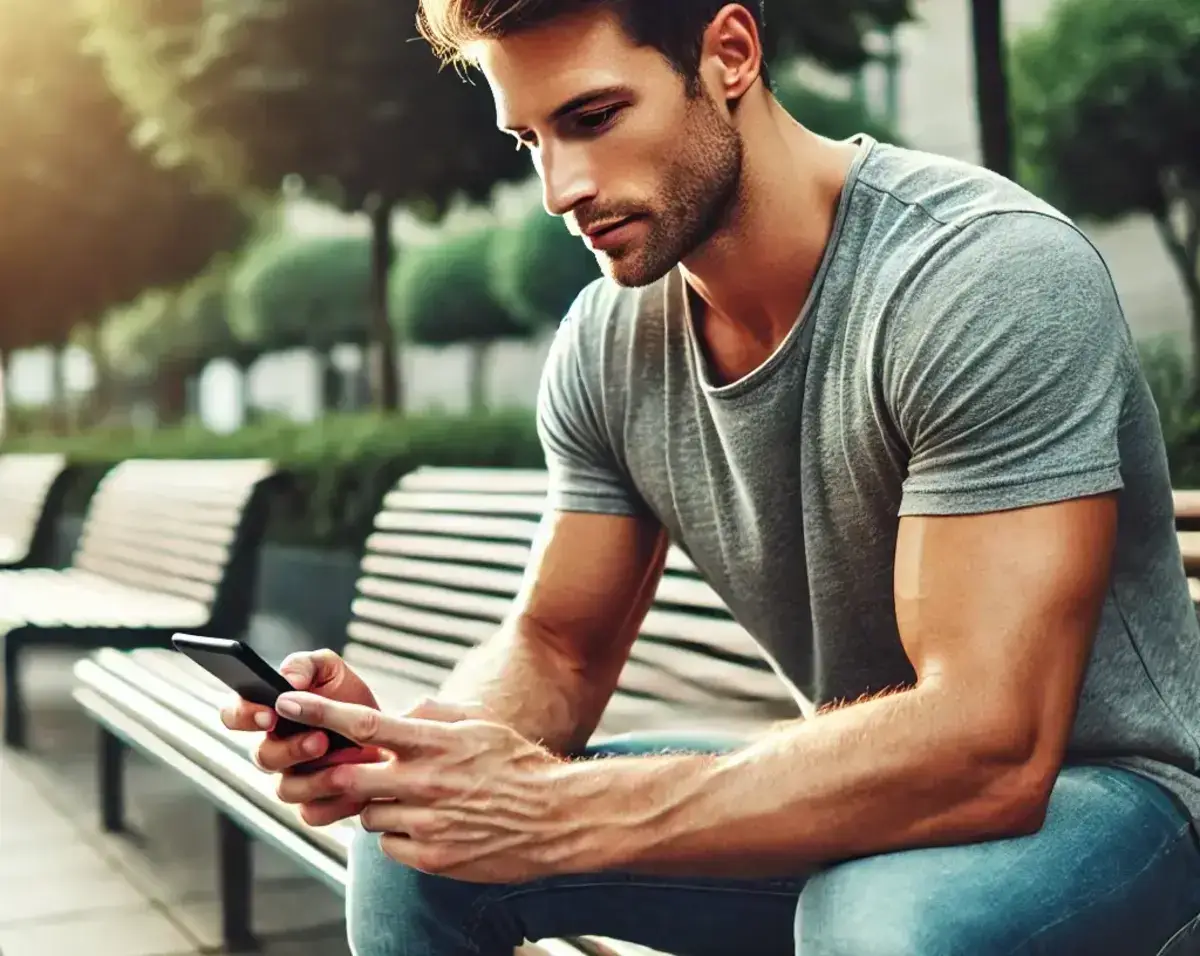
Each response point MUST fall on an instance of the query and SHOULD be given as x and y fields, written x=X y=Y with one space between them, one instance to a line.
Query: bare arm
x=551 y=669
x=997 y=613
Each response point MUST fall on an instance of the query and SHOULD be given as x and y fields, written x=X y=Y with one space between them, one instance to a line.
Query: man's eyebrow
x=577 y=102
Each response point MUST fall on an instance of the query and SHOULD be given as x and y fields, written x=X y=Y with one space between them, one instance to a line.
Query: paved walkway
x=66 y=888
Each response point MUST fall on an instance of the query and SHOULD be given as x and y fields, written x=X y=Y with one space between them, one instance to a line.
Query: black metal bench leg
x=235 y=855
x=14 y=706
x=111 y=766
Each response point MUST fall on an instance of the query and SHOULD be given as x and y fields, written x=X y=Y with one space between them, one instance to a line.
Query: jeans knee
x=845 y=911
x=394 y=910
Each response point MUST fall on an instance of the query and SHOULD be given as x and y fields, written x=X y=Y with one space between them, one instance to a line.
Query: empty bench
x=32 y=488
x=438 y=575
x=165 y=545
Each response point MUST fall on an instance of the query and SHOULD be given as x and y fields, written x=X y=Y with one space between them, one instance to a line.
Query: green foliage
x=827 y=115
x=441 y=293
x=1104 y=98
x=186 y=327
x=342 y=465
x=538 y=268
x=257 y=91
x=89 y=220
x=294 y=291
x=1164 y=364
x=830 y=31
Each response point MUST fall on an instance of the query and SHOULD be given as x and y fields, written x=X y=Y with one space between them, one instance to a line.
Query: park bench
x=437 y=576
x=165 y=546
x=31 y=492
x=1187 y=526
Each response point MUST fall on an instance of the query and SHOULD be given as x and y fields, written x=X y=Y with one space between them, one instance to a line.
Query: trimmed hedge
x=342 y=464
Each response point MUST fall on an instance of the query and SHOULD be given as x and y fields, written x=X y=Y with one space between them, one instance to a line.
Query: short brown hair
x=673 y=27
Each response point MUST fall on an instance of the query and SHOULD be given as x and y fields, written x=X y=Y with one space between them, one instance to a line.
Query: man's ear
x=731 y=54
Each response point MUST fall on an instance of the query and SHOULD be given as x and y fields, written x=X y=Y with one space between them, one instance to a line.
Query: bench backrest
x=184 y=528
x=446 y=559
x=31 y=488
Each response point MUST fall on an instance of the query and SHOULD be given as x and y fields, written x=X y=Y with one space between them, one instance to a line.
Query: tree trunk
x=103 y=392
x=60 y=405
x=991 y=86
x=387 y=377
x=5 y=365
x=171 y=392
x=477 y=380
x=332 y=391
x=1185 y=253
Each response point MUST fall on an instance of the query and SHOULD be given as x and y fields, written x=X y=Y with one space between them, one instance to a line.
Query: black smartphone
x=239 y=666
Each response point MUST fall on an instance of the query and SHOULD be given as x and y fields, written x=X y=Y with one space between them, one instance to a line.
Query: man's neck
x=756 y=274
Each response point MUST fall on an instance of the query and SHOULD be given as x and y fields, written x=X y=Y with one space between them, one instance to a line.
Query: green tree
x=831 y=32
x=89 y=219
x=1105 y=98
x=257 y=91
x=296 y=291
x=442 y=296
x=537 y=268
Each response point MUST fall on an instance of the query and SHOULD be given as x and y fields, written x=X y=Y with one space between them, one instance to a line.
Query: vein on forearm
x=906 y=770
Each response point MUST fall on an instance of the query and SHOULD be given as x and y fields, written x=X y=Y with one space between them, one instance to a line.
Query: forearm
x=896 y=772
x=526 y=683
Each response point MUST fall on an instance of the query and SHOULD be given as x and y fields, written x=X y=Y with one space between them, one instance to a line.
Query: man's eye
x=596 y=120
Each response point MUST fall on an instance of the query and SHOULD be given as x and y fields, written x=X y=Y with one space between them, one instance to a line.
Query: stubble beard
x=700 y=191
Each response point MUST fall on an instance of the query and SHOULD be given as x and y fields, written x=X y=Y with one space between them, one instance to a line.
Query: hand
x=468 y=799
x=318 y=672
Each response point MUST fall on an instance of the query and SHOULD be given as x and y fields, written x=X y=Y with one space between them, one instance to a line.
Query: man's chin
x=632 y=271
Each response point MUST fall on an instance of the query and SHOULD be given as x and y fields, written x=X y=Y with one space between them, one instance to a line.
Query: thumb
x=300 y=670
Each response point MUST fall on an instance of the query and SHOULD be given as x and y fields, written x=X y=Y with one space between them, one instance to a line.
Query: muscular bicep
x=999 y=610
x=590 y=580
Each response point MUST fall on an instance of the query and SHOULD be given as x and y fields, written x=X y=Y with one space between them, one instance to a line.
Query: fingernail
x=287 y=707
x=264 y=720
x=312 y=746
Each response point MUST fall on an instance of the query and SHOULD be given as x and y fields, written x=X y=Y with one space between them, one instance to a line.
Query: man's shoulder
x=947 y=195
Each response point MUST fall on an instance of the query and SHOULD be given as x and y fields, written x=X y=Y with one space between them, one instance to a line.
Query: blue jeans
x=1115 y=871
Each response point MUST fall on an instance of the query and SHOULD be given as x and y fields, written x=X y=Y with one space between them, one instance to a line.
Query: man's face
x=645 y=172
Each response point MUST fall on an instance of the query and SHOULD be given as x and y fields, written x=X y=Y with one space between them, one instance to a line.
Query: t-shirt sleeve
x=1007 y=366
x=584 y=473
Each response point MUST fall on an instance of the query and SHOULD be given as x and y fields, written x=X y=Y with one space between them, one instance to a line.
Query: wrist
x=620 y=812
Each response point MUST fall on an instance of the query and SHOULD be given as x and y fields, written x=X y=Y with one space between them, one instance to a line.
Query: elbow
x=1019 y=801
x=1019 y=771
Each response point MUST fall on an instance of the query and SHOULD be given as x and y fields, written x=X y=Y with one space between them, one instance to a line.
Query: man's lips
x=591 y=232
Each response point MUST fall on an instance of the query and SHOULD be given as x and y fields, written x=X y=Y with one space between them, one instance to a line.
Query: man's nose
x=567 y=181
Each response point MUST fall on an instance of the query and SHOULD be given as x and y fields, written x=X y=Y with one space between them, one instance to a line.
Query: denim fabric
x=1115 y=871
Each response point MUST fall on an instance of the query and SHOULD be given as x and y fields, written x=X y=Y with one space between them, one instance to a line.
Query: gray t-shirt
x=963 y=350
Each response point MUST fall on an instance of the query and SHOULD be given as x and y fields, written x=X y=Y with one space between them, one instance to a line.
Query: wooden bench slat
x=142 y=578
x=488 y=480
x=123 y=509
x=369 y=655
x=464 y=526
x=464 y=503
x=1189 y=547
x=168 y=525
x=458 y=550
x=482 y=527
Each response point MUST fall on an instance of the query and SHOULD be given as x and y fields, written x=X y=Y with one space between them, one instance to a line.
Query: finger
x=240 y=714
x=365 y=725
x=389 y=780
x=324 y=812
x=417 y=823
x=310 y=787
x=275 y=754
x=309 y=670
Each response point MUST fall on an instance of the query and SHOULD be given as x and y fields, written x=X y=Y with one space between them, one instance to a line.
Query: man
x=890 y=406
